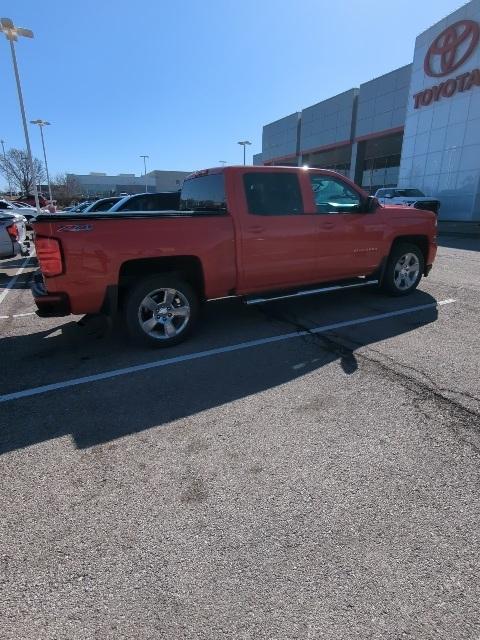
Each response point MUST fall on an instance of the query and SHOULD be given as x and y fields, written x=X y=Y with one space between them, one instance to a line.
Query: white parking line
x=213 y=352
x=18 y=315
x=3 y=295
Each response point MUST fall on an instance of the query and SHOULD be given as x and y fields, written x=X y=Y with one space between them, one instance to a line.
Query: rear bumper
x=48 y=304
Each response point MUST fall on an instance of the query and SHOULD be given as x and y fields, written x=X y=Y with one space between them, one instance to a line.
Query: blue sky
x=184 y=80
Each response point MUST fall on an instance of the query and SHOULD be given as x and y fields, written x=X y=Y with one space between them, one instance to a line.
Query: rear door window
x=204 y=194
x=273 y=194
x=165 y=201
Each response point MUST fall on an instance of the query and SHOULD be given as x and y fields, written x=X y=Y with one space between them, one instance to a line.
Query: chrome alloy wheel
x=164 y=313
x=406 y=271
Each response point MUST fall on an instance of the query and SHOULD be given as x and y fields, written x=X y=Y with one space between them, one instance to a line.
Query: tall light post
x=41 y=124
x=145 y=171
x=244 y=144
x=11 y=33
x=8 y=174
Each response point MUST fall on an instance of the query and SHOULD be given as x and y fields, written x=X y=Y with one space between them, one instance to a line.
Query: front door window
x=334 y=196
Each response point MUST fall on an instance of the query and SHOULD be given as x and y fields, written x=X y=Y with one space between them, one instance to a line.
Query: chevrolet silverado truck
x=258 y=233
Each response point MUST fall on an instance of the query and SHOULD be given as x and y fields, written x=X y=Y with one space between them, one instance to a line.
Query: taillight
x=13 y=231
x=49 y=256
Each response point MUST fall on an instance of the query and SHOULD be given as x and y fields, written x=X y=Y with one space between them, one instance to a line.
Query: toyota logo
x=451 y=48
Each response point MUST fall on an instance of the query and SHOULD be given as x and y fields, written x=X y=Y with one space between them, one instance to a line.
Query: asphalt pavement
x=306 y=469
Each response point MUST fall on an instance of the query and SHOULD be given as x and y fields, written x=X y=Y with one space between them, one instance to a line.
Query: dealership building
x=97 y=184
x=417 y=126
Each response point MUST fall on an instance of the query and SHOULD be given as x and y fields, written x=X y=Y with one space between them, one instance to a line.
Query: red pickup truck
x=254 y=232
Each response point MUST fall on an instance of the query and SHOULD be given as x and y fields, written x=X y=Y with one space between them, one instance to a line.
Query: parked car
x=79 y=208
x=30 y=200
x=22 y=205
x=20 y=208
x=104 y=204
x=410 y=197
x=161 y=201
x=13 y=235
x=251 y=232
x=8 y=205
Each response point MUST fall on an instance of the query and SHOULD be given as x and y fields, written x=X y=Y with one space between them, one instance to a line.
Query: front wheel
x=404 y=269
x=161 y=311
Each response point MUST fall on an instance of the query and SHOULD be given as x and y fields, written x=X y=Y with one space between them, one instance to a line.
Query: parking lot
x=303 y=469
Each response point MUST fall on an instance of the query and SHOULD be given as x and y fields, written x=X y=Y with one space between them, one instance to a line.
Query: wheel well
x=420 y=241
x=187 y=267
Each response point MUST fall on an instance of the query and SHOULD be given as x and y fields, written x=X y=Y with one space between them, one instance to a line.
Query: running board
x=309 y=292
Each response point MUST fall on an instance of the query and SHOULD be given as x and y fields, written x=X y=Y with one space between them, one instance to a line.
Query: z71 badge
x=76 y=227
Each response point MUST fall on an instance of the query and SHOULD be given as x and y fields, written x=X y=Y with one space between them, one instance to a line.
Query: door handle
x=256 y=229
x=328 y=225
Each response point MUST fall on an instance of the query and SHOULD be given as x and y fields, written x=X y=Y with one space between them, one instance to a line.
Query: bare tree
x=15 y=167
x=65 y=188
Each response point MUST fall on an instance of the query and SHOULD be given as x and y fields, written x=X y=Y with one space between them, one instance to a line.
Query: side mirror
x=371 y=204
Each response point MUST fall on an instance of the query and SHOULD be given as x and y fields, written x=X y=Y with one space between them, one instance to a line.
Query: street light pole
x=244 y=143
x=8 y=174
x=11 y=33
x=145 y=171
x=41 y=124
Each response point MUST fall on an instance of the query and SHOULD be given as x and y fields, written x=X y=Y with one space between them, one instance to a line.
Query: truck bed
x=98 y=249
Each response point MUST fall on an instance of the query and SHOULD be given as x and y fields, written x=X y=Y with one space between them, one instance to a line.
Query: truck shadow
x=23 y=281
x=103 y=411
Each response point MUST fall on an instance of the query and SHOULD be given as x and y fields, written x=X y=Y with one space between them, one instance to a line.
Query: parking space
x=302 y=469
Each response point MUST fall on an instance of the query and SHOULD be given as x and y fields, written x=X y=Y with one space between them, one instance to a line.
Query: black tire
x=392 y=281
x=147 y=307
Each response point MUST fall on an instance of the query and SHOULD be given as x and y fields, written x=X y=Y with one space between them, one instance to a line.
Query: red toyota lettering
x=427 y=97
x=473 y=79
x=449 y=88
x=461 y=80
x=417 y=97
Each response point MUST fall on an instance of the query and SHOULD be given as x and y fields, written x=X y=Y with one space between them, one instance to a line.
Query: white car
x=13 y=235
x=21 y=209
x=409 y=197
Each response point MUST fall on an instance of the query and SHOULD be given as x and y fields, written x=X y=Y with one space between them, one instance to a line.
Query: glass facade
x=335 y=159
x=288 y=162
x=381 y=162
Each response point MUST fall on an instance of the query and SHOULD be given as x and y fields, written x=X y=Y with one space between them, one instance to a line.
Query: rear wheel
x=161 y=311
x=404 y=269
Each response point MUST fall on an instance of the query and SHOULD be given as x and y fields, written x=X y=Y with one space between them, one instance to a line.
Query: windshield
x=80 y=207
x=408 y=193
